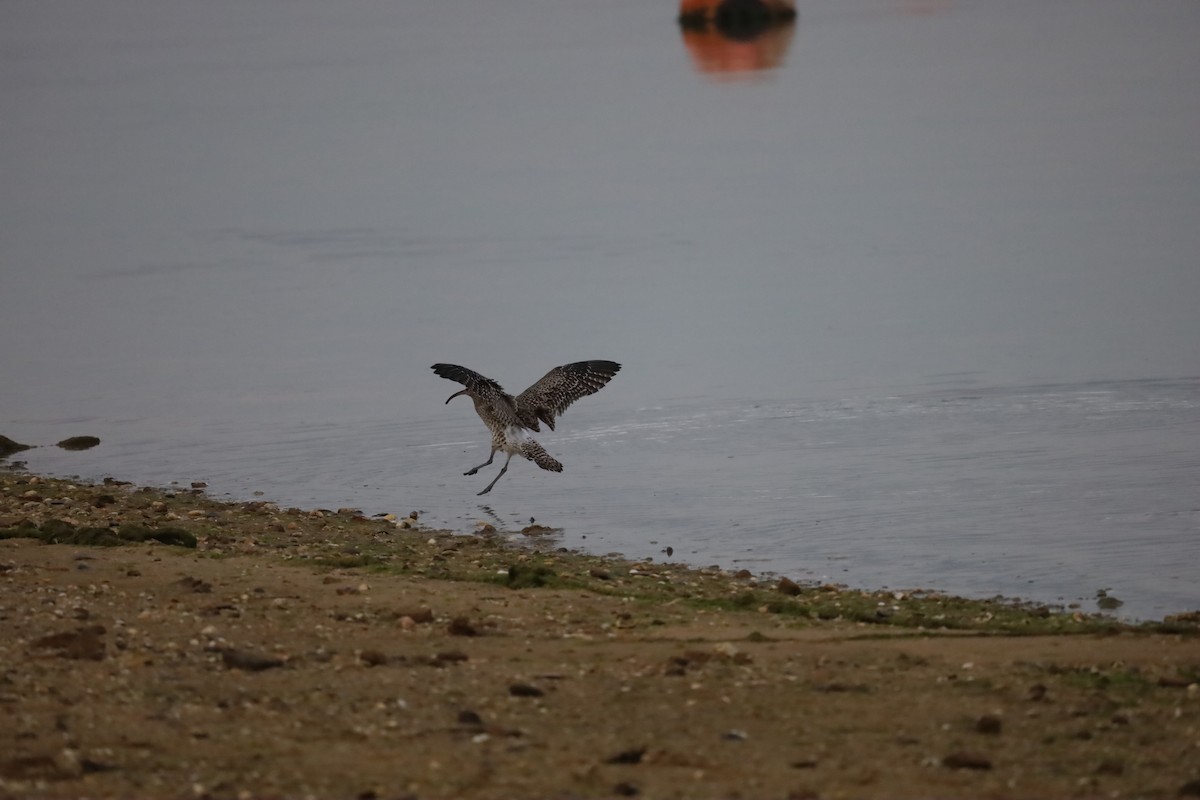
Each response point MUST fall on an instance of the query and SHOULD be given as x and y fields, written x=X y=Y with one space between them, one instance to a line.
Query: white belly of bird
x=514 y=438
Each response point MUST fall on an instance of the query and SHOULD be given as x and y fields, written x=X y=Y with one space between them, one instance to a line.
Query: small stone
x=1172 y=682
x=470 y=718
x=965 y=760
x=8 y=447
x=1111 y=766
x=989 y=724
x=631 y=756
x=249 y=662
x=1190 y=789
x=418 y=615
x=524 y=690
x=788 y=586
x=626 y=790
x=372 y=658
x=461 y=626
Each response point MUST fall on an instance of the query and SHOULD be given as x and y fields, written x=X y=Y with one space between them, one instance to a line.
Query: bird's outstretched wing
x=476 y=384
x=560 y=387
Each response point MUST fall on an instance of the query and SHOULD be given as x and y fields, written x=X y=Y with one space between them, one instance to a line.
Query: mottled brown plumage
x=508 y=417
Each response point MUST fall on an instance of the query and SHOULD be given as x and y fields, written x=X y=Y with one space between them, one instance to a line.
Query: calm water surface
x=906 y=295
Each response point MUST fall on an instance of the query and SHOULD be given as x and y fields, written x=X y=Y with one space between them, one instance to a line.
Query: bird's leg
x=503 y=470
x=484 y=464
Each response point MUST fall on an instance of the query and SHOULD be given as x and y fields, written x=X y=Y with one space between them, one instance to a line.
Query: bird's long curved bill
x=456 y=394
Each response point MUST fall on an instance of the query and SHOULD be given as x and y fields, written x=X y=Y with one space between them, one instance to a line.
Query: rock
x=470 y=718
x=989 y=724
x=372 y=658
x=461 y=626
x=624 y=789
x=1190 y=789
x=631 y=756
x=249 y=662
x=79 y=443
x=525 y=690
x=788 y=586
x=83 y=643
x=8 y=447
x=966 y=760
x=419 y=616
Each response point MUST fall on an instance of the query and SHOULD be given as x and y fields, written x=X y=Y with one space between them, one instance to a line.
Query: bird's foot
x=472 y=472
x=485 y=491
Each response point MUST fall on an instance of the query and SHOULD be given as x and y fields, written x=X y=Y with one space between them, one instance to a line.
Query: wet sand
x=164 y=644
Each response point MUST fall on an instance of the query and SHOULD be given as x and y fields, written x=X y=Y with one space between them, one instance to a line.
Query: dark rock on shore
x=79 y=442
x=8 y=447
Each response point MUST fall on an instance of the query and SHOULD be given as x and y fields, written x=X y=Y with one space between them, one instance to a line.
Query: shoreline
x=172 y=644
x=179 y=506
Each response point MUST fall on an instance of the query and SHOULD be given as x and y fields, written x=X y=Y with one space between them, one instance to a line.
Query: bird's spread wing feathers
x=475 y=383
x=559 y=388
x=486 y=390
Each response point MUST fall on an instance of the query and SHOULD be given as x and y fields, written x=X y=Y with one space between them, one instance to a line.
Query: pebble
x=631 y=756
x=461 y=626
x=788 y=586
x=967 y=760
x=372 y=658
x=470 y=718
x=248 y=661
x=989 y=724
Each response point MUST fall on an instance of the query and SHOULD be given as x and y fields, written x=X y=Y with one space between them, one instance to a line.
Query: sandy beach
x=159 y=643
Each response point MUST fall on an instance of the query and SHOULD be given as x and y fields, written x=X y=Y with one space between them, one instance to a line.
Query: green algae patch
x=56 y=531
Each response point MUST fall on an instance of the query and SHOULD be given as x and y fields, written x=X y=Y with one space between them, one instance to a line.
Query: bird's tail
x=538 y=455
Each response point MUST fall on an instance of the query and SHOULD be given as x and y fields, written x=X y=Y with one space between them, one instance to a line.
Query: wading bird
x=511 y=418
